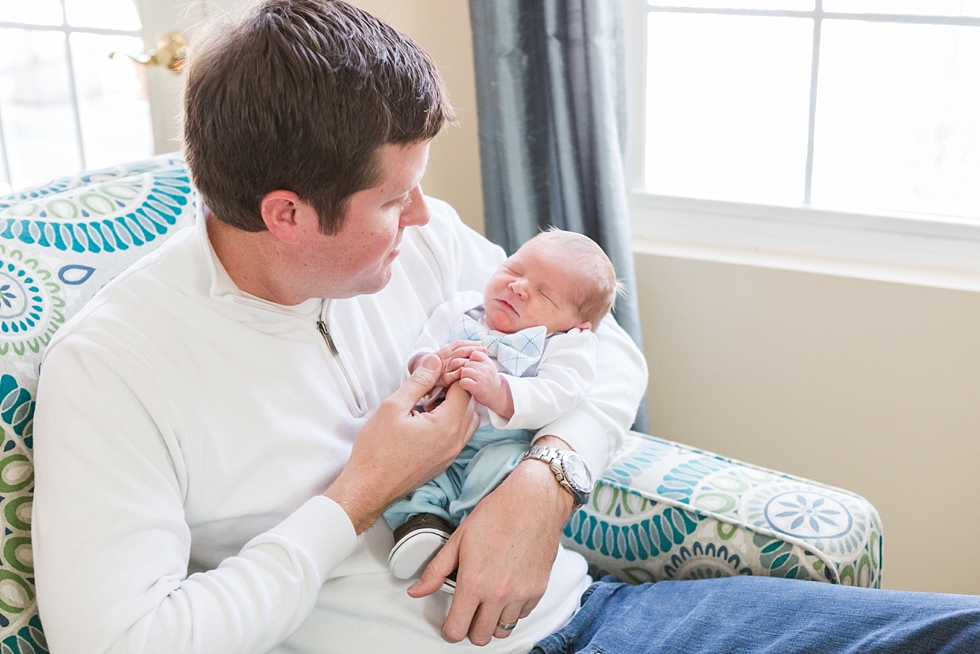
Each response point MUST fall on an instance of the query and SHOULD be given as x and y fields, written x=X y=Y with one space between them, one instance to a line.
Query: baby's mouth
x=507 y=305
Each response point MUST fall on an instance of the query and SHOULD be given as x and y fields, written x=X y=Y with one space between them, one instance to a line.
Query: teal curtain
x=551 y=106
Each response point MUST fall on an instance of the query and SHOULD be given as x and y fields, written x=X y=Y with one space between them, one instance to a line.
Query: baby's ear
x=585 y=325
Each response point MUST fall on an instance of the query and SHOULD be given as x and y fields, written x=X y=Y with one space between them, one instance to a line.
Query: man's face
x=358 y=258
x=533 y=288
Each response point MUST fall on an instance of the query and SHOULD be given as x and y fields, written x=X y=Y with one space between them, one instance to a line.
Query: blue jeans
x=764 y=614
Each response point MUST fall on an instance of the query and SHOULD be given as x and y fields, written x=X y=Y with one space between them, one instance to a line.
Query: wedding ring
x=505 y=625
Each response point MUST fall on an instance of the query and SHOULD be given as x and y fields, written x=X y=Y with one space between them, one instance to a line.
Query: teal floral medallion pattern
x=18 y=611
x=31 y=303
x=636 y=455
x=115 y=214
x=59 y=244
x=705 y=561
x=668 y=511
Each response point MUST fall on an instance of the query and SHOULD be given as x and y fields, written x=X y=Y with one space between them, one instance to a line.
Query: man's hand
x=504 y=552
x=399 y=449
x=479 y=377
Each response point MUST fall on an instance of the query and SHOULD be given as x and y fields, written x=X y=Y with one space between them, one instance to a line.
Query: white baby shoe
x=416 y=543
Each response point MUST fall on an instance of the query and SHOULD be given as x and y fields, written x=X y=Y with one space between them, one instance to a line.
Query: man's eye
x=401 y=202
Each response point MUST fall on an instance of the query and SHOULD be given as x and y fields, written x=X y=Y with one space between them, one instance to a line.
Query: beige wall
x=870 y=386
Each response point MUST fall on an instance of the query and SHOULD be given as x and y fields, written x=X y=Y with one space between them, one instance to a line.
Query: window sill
x=910 y=249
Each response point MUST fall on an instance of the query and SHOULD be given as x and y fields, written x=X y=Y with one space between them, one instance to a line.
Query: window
x=833 y=135
x=64 y=104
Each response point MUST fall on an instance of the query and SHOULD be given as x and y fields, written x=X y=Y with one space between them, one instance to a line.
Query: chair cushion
x=663 y=510
x=59 y=244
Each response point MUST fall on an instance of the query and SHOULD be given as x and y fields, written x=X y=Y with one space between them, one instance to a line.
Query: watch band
x=544 y=453
x=580 y=485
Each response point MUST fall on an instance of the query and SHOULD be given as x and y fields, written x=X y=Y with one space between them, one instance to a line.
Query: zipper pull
x=322 y=327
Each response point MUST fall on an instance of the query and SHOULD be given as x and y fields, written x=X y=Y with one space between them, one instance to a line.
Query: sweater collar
x=223 y=287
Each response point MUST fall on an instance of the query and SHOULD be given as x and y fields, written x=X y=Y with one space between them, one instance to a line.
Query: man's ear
x=285 y=215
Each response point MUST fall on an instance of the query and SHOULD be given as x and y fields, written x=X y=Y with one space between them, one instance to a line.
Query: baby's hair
x=594 y=300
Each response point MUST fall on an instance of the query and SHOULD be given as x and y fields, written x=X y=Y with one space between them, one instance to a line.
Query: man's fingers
x=509 y=616
x=474 y=423
x=457 y=413
x=436 y=572
x=528 y=607
x=459 y=622
x=423 y=380
x=458 y=406
x=484 y=624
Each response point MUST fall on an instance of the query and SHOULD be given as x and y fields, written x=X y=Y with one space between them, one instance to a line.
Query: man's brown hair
x=298 y=95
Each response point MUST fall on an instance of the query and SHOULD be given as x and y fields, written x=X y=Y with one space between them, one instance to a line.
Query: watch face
x=577 y=473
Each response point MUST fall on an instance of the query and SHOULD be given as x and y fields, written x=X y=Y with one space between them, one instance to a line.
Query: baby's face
x=533 y=288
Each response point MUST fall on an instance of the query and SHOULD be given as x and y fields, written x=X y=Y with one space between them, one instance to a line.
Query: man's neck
x=254 y=261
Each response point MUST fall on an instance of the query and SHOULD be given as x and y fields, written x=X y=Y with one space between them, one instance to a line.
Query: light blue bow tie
x=515 y=352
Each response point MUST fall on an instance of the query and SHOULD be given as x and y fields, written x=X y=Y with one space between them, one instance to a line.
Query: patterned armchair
x=661 y=511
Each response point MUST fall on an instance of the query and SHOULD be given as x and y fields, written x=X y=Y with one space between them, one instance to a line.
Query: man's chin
x=377 y=284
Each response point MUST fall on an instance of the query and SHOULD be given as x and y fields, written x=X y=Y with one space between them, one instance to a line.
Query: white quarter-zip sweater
x=185 y=432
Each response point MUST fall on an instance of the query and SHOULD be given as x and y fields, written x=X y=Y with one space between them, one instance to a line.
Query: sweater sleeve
x=110 y=489
x=563 y=377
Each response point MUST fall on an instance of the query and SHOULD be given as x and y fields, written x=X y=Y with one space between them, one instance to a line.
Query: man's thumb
x=428 y=366
x=423 y=379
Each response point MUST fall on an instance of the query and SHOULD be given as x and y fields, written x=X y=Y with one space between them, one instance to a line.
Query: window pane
x=4 y=186
x=35 y=12
x=35 y=106
x=898 y=118
x=920 y=7
x=728 y=106
x=801 y=5
x=115 y=113
x=108 y=14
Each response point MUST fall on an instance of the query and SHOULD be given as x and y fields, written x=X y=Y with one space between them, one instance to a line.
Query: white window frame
x=940 y=251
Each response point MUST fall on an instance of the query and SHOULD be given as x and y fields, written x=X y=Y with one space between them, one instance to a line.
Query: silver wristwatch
x=569 y=468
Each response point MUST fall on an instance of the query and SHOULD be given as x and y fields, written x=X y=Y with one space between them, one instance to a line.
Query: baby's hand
x=479 y=377
x=453 y=356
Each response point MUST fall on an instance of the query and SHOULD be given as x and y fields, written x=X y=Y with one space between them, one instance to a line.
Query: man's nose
x=417 y=211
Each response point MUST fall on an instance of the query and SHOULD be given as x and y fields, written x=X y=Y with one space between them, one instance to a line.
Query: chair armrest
x=663 y=510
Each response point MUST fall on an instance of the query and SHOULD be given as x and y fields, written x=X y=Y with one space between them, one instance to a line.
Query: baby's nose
x=519 y=288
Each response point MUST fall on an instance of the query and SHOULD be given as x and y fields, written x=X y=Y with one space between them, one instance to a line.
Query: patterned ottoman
x=668 y=511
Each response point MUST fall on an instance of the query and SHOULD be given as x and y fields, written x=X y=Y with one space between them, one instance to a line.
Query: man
x=219 y=431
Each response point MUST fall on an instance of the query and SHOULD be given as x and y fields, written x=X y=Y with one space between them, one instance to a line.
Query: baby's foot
x=416 y=543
